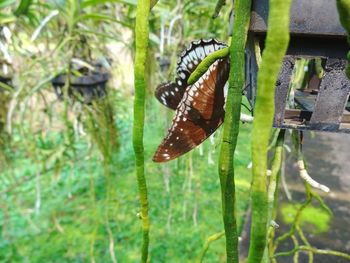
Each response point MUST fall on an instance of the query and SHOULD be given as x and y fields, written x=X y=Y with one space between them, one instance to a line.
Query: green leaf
x=99 y=17
x=4 y=19
x=23 y=7
x=97 y=2
x=6 y=3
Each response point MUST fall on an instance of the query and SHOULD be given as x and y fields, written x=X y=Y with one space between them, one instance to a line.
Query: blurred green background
x=68 y=188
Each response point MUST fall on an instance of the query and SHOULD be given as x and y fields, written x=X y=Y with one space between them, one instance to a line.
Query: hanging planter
x=6 y=79
x=6 y=75
x=89 y=86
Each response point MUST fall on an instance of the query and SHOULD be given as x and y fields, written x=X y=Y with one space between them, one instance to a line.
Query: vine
x=141 y=38
x=231 y=126
x=272 y=194
x=276 y=45
x=210 y=240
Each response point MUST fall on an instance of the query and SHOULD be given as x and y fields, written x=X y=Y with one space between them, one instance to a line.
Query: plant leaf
x=23 y=7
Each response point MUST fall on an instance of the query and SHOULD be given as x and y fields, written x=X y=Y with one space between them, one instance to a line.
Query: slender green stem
x=314 y=250
x=296 y=228
x=297 y=219
x=205 y=64
x=141 y=35
x=231 y=126
x=210 y=240
x=296 y=244
x=306 y=242
x=219 y=5
x=276 y=45
x=273 y=189
x=276 y=167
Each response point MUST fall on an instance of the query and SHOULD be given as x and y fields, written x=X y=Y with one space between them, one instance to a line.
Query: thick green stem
x=231 y=126
x=141 y=35
x=276 y=45
x=344 y=15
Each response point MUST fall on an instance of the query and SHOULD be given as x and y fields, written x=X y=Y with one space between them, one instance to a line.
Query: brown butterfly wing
x=198 y=115
x=171 y=93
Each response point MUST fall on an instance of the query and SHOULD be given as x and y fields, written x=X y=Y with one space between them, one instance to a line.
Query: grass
x=77 y=200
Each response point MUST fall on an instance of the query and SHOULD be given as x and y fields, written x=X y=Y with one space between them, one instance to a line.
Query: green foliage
x=68 y=195
x=68 y=191
x=71 y=219
x=23 y=7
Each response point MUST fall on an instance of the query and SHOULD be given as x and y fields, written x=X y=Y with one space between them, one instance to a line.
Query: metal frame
x=315 y=33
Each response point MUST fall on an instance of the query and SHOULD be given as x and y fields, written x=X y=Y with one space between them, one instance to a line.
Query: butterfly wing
x=171 y=93
x=199 y=113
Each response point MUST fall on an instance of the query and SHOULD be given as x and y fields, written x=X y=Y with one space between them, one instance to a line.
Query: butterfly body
x=199 y=108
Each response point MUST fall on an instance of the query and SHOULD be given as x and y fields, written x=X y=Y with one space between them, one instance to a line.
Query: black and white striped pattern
x=170 y=93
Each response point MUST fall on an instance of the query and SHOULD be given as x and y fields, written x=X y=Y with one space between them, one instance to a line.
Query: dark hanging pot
x=7 y=79
x=88 y=87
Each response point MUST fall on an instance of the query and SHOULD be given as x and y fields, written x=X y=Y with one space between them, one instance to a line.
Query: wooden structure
x=315 y=33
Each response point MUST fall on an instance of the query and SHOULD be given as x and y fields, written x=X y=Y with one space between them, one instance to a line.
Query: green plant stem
x=295 y=227
x=306 y=242
x=231 y=126
x=205 y=64
x=313 y=250
x=141 y=35
x=210 y=240
x=296 y=244
x=153 y=3
x=344 y=16
x=219 y=5
x=276 y=45
x=297 y=219
x=273 y=189
x=276 y=167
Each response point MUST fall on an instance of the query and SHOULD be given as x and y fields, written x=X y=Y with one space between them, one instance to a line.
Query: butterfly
x=199 y=108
